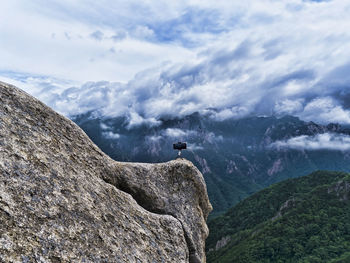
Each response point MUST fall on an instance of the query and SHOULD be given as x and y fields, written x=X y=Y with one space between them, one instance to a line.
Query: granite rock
x=63 y=200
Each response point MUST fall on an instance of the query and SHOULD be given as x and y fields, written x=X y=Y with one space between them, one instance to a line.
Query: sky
x=153 y=59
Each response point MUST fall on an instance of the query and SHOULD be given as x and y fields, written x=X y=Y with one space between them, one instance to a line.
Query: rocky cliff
x=63 y=200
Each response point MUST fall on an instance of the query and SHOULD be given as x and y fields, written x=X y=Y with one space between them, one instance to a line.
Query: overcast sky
x=148 y=59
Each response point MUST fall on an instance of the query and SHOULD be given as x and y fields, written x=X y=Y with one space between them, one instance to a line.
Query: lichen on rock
x=63 y=200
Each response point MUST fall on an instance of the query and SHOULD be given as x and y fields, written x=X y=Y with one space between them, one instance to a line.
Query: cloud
x=178 y=133
x=156 y=59
x=175 y=133
x=193 y=20
x=111 y=135
x=324 y=141
x=194 y=147
x=98 y=35
x=108 y=133
x=105 y=127
x=288 y=106
x=74 y=54
x=325 y=109
x=155 y=138
x=229 y=113
x=136 y=120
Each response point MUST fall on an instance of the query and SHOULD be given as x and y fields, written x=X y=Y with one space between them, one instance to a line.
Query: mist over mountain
x=236 y=156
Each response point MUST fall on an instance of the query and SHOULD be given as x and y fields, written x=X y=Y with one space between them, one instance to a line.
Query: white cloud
x=154 y=138
x=154 y=59
x=227 y=113
x=136 y=120
x=325 y=109
x=324 y=141
x=288 y=106
x=111 y=135
x=178 y=133
x=53 y=39
x=194 y=147
x=104 y=126
x=108 y=133
x=174 y=132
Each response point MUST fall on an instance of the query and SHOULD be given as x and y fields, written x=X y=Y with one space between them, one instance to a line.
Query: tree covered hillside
x=298 y=220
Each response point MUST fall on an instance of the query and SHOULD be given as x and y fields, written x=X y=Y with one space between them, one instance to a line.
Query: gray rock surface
x=63 y=200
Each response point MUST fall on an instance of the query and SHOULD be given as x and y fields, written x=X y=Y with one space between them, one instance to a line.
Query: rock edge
x=62 y=199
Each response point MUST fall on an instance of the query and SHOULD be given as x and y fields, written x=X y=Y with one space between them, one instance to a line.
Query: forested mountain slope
x=298 y=220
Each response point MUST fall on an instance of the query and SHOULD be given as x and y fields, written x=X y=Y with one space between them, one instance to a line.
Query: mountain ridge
x=234 y=155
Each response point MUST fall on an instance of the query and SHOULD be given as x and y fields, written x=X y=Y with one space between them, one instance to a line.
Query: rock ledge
x=63 y=200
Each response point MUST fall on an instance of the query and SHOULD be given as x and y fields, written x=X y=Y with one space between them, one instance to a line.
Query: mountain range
x=237 y=157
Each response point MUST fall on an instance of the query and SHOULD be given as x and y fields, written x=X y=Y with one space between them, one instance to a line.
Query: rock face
x=63 y=200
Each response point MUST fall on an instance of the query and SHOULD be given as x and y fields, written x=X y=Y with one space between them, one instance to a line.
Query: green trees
x=298 y=220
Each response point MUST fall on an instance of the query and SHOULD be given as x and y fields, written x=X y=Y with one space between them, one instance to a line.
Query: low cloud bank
x=324 y=141
x=111 y=135
x=173 y=133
